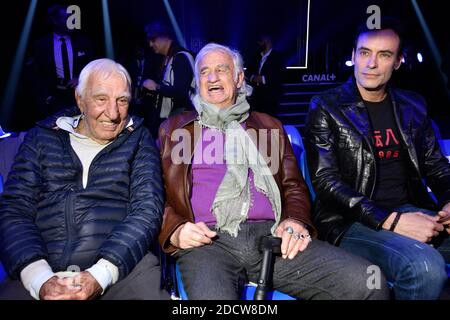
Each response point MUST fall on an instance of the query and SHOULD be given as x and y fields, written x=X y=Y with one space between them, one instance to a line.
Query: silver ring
x=289 y=230
x=305 y=236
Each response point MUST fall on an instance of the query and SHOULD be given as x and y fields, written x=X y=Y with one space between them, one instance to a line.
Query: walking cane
x=269 y=246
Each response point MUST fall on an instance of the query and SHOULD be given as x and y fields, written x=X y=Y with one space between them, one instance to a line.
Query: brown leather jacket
x=178 y=180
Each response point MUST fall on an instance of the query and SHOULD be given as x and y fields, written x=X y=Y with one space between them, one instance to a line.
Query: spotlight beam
x=175 y=25
x=107 y=30
x=10 y=92
x=431 y=43
x=305 y=66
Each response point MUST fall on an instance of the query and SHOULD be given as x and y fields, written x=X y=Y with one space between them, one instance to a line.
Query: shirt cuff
x=35 y=275
x=105 y=273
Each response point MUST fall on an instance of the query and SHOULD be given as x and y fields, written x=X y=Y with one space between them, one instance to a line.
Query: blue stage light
x=107 y=29
x=11 y=88
x=419 y=57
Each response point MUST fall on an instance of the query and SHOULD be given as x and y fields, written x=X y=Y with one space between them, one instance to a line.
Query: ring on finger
x=289 y=230
x=305 y=236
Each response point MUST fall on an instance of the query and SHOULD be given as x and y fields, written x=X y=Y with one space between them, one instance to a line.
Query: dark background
x=236 y=23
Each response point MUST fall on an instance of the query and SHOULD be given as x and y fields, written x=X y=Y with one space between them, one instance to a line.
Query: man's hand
x=149 y=84
x=294 y=237
x=191 y=235
x=416 y=225
x=54 y=288
x=81 y=287
x=444 y=217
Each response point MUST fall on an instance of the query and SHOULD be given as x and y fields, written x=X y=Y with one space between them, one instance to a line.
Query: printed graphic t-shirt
x=391 y=186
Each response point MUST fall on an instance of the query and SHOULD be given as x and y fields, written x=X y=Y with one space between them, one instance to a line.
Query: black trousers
x=219 y=271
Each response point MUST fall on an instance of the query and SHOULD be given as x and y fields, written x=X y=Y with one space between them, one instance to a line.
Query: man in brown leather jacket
x=371 y=153
x=230 y=178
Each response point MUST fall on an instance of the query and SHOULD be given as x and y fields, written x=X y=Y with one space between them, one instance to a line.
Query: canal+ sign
x=324 y=77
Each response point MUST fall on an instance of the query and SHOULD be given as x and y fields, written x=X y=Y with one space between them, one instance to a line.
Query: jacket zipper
x=188 y=178
x=374 y=166
x=403 y=137
x=68 y=209
x=372 y=152
x=68 y=213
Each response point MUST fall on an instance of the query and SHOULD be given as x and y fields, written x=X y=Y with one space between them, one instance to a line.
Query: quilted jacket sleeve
x=20 y=239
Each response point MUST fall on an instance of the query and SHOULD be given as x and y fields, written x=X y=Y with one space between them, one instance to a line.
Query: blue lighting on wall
x=9 y=94
x=107 y=29
x=176 y=27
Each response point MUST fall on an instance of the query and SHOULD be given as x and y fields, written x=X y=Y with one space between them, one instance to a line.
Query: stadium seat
x=9 y=147
x=299 y=150
x=445 y=147
x=2 y=273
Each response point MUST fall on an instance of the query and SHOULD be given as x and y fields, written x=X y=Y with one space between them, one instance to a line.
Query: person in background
x=173 y=86
x=55 y=64
x=266 y=75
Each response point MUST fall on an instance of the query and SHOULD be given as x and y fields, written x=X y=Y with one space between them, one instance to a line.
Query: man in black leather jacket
x=372 y=152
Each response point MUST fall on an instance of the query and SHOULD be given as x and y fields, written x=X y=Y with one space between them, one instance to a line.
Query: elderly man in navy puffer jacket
x=85 y=196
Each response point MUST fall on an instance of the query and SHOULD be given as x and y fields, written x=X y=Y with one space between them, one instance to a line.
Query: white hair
x=105 y=67
x=235 y=56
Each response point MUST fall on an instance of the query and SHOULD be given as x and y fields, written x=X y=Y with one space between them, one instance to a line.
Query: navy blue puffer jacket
x=45 y=213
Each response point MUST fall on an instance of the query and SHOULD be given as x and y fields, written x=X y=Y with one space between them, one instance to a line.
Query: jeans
x=220 y=270
x=416 y=269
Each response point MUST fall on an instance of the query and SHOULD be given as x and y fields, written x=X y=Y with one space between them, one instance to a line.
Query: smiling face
x=217 y=84
x=376 y=56
x=105 y=105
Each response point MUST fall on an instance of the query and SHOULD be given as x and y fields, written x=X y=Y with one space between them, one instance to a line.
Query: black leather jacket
x=342 y=164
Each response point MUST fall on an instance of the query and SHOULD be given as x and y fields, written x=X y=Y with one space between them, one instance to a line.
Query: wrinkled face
x=217 y=84
x=105 y=106
x=376 y=56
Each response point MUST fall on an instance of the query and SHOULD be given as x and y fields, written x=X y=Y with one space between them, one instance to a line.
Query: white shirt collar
x=70 y=123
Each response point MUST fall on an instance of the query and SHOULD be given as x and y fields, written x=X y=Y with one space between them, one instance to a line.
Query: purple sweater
x=208 y=170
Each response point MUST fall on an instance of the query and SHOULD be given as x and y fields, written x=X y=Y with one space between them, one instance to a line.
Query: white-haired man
x=217 y=207
x=85 y=195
